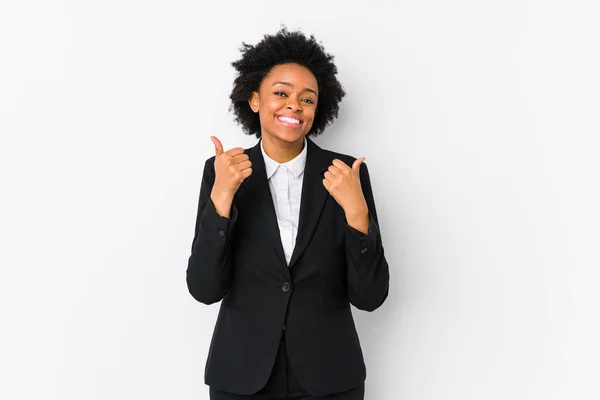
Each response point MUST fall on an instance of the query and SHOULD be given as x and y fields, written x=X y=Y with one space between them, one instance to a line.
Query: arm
x=209 y=265
x=368 y=271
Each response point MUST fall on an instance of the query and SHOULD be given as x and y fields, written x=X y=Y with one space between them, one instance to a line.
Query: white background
x=480 y=124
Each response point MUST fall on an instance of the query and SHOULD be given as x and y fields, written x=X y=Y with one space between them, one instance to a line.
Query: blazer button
x=364 y=250
x=221 y=232
x=286 y=287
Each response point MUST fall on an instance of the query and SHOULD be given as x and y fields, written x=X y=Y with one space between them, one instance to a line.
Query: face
x=286 y=102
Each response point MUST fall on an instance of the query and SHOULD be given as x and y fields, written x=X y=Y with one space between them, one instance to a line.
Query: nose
x=293 y=104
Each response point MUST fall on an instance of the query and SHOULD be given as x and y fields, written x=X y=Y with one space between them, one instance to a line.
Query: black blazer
x=241 y=261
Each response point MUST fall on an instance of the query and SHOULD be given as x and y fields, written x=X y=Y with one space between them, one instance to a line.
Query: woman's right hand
x=232 y=167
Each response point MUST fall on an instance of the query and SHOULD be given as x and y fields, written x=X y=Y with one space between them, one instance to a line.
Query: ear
x=254 y=100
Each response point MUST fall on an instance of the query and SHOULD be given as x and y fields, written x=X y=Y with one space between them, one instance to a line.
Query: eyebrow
x=290 y=85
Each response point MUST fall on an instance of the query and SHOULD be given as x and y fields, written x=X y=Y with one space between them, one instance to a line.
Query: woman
x=286 y=236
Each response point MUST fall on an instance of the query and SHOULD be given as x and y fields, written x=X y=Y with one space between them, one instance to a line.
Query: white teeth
x=290 y=120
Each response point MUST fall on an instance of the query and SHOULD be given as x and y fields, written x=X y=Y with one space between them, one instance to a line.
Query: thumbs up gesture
x=343 y=183
x=231 y=168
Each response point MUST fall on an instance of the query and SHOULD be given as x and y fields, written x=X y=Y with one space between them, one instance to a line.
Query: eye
x=309 y=101
x=280 y=94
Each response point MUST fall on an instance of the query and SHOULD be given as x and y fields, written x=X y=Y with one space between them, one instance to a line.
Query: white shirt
x=285 y=182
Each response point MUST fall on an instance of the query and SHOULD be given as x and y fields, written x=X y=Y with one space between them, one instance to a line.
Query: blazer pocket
x=336 y=308
x=233 y=306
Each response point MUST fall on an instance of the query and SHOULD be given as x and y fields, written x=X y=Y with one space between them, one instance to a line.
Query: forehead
x=297 y=75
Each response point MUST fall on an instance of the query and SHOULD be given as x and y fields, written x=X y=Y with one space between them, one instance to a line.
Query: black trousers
x=282 y=384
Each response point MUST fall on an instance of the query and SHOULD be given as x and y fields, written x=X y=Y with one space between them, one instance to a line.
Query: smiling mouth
x=289 y=121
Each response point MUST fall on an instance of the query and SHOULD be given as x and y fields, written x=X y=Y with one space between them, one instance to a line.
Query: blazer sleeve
x=209 y=265
x=368 y=271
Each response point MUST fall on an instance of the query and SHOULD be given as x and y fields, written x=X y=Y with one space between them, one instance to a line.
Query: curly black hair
x=282 y=48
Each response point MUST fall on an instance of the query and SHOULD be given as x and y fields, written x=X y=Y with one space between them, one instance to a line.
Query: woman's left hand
x=343 y=183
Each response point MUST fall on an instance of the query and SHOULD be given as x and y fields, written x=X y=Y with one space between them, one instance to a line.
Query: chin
x=290 y=137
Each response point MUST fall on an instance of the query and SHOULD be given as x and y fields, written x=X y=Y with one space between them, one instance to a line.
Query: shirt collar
x=296 y=165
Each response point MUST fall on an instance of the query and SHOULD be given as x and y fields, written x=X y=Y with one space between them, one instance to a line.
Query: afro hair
x=285 y=47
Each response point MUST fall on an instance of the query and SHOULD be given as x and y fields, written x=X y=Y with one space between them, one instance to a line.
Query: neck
x=280 y=150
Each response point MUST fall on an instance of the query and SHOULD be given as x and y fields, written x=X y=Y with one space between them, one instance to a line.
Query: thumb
x=218 y=145
x=356 y=165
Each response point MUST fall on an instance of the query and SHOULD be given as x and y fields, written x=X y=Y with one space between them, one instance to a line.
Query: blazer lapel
x=260 y=193
x=312 y=200
x=313 y=197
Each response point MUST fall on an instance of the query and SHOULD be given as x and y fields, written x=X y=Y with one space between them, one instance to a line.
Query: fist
x=343 y=184
x=232 y=167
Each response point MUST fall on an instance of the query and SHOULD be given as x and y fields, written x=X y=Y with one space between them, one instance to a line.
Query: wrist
x=359 y=220
x=357 y=212
x=219 y=194
x=222 y=202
